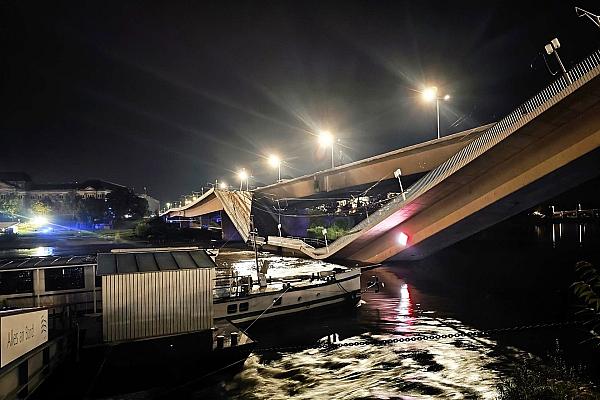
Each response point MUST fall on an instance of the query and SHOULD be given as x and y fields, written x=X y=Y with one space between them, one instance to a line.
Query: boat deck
x=296 y=282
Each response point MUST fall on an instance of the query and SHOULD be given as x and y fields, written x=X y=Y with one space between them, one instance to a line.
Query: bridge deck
x=554 y=128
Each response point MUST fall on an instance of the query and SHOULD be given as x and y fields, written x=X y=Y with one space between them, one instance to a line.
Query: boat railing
x=232 y=286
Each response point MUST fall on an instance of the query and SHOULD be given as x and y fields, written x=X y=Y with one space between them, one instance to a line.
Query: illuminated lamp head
x=274 y=161
x=430 y=93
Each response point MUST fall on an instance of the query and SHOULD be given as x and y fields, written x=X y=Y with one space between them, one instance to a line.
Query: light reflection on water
x=573 y=232
x=415 y=370
x=447 y=368
x=41 y=251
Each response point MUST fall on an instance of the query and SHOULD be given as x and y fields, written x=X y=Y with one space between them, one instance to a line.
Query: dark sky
x=172 y=96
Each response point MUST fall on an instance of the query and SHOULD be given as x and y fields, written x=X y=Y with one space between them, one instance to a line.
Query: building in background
x=21 y=186
x=90 y=204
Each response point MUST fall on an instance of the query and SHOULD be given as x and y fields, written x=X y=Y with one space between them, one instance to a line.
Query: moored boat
x=241 y=301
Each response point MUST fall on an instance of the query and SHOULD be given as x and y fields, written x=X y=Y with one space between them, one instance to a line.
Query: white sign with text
x=21 y=333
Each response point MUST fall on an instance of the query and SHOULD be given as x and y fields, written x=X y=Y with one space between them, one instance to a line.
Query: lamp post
x=275 y=162
x=430 y=94
x=327 y=139
x=398 y=174
x=243 y=175
x=553 y=47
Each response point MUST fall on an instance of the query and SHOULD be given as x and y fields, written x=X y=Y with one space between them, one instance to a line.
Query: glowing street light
x=430 y=94
x=275 y=162
x=243 y=175
x=326 y=139
x=223 y=186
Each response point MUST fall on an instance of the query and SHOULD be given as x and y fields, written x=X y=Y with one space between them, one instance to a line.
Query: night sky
x=170 y=97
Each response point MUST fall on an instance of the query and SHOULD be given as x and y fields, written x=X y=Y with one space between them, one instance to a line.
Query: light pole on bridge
x=243 y=175
x=430 y=94
x=327 y=139
x=275 y=162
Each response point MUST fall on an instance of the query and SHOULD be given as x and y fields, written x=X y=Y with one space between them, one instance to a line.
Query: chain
x=386 y=342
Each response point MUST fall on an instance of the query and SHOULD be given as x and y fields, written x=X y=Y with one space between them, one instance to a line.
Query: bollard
x=234 y=339
x=220 y=341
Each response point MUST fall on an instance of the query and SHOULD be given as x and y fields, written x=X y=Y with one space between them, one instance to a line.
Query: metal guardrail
x=310 y=241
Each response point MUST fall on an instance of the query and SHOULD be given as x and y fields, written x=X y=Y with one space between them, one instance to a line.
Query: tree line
x=118 y=205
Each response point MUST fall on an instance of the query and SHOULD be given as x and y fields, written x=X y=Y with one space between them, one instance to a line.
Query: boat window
x=277 y=302
x=64 y=278
x=231 y=308
x=244 y=306
x=14 y=282
x=299 y=298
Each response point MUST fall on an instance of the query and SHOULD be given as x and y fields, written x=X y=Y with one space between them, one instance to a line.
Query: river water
x=512 y=274
x=509 y=275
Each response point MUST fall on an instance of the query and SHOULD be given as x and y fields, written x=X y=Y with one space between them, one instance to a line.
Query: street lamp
x=222 y=185
x=430 y=94
x=326 y=139
x=553 y=47
x=243 y=175
x=275 y=162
